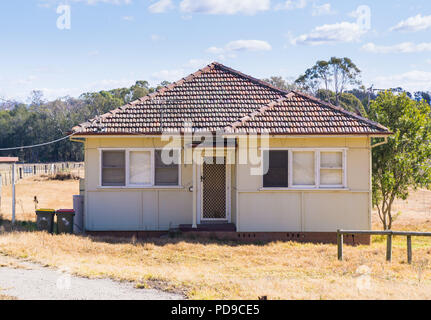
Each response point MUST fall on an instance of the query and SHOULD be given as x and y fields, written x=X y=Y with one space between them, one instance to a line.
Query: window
x=303 y=168
x=277 y=174
x=306 y=168
x=143 y=167
x=140 y=168
x=113 y=168
x=331 y=168
x=166 y=167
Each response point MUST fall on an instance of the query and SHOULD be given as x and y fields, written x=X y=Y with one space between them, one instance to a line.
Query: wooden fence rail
x=388 y=233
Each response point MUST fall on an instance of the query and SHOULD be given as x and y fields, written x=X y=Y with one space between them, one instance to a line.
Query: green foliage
x=422 y=95
x=404 y=161
x=336 y=72
x=42 y=121
x=281 y=83
x=347 y=101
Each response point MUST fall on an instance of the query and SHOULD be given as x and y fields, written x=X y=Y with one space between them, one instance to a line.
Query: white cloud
x=169 y=75
x=331 y=33
x=94 y=53
x=49 y=3
x=249 y=7
x=324 y=9
x=428 y=61
x=232 y=47
x=291 y=5
x=176 y=74
x=128 y=18
x=404 y=47
x=26 y=81
x=412 y=81
x=196 y=63
x=416 y=23
x=155 y=37
x=161 y=6
x=117 y=2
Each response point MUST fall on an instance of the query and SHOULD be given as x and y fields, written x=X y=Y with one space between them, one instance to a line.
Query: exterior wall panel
x=112 y=211
x=270 y=212
x=134 y=209
x=174 y=208
x=332 y=211
x=309 y=210
x=253 y=209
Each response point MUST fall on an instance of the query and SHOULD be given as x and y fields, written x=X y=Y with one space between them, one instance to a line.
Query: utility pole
x=370 y=90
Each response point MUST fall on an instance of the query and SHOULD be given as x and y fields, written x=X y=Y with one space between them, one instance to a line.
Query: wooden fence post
x=13 y=193
x=1 y=182
x=389 y=247
x=340 y=245
x=409 y=249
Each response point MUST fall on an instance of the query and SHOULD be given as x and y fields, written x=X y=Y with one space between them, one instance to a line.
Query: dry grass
x=412 y=214
x=50 y=194
x=208 y=270
x=211 y=269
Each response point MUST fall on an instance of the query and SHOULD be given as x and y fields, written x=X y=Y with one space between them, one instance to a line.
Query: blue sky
x=113 y=43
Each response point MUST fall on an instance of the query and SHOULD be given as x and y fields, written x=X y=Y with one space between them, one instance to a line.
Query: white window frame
x=317 y=185
x=129 y=185
x=343 y=168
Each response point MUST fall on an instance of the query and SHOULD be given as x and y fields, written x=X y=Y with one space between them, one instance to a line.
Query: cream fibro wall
x=309 y=210
x=252 y=208
x=134 y=209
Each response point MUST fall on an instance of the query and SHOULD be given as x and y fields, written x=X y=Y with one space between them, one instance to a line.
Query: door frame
x=228 y=191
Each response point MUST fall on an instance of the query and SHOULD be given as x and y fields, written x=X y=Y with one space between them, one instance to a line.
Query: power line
x=37 y=145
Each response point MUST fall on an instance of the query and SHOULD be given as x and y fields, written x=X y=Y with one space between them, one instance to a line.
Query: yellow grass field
x=227 y=270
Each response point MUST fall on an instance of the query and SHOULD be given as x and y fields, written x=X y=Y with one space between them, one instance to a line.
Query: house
x=221 y=151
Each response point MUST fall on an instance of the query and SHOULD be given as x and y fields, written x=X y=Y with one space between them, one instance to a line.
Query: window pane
x=331 y=177
x=167 y=176
x=140 y=167
x=166 y=172
x=113 y=159
x=113 y=168
x=113 y=177
x=331 y=159
x=303 y=168
x=277 y=169
x=167 y=158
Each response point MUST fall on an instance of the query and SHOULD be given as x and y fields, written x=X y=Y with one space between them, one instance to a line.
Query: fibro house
x=224 y=153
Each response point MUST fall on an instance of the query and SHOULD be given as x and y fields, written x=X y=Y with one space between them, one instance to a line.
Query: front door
x=214 y=195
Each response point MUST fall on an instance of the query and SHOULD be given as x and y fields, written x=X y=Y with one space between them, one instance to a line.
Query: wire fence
x=33 y=169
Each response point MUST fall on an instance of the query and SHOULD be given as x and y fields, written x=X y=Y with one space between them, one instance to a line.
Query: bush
x=64 y=176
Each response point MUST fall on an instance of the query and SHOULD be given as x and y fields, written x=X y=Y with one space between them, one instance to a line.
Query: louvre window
x=277 y=175
x=166 y=167
x=113 y=168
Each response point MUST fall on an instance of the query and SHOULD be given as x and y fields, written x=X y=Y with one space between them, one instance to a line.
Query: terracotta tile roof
x=298 y=113
x=219 y=98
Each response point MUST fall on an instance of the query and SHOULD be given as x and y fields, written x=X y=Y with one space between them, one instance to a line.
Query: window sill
x=140 y=187
x=302 y=189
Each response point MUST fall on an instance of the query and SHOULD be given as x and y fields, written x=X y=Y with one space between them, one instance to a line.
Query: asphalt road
x=25 y=280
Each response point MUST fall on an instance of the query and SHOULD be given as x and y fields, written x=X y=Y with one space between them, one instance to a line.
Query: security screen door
x=214 y=189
